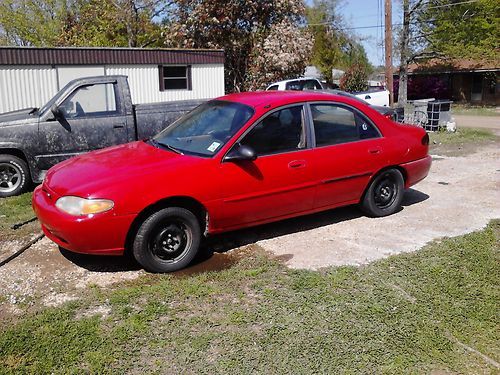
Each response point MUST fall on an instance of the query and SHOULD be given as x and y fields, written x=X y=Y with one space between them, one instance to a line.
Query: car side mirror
x=241 y=152
x=56 y=111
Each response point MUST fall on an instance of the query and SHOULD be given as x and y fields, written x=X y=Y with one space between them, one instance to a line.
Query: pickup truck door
x=91 y=117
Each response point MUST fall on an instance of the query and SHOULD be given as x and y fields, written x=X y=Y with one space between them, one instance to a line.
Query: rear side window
x=334 y=124
x=312 y=84
x=294 y=85
x=281 y=131
x=273 y=87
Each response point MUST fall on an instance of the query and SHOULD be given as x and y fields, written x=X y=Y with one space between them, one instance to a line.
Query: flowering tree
x=239 y=27
x=282 y=54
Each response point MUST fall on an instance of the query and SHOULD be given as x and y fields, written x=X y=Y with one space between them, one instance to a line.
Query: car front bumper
x=100 y=234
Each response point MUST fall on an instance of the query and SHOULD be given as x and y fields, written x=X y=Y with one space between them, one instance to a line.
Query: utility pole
x=388 y=50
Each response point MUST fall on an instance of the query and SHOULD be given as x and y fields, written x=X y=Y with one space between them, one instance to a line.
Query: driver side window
x=90 y=101
x=281 y=131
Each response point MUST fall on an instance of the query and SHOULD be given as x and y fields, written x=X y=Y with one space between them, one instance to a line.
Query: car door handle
x=297 y=164
x=375 y=150
x=118 y=126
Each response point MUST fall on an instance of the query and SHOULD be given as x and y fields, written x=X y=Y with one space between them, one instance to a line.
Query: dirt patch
x=460 y=149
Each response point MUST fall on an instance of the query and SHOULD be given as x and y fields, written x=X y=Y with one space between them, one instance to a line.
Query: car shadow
x=213 y=254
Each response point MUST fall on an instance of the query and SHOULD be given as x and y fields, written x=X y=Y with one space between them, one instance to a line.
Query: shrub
x=354 y=79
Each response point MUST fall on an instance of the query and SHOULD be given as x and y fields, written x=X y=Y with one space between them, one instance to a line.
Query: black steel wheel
x=385 y=194
x=168 y=240
x=14 y=176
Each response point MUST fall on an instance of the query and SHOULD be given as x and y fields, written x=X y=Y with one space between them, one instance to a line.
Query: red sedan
x=237 y=161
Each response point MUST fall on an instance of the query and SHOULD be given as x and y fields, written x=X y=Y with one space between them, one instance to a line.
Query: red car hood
x=128 y=166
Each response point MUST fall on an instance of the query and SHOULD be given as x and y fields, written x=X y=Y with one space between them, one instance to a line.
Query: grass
x=462 y=142
x=462 y=135
x=468 y=110
x=410 y=313
x=15 y=209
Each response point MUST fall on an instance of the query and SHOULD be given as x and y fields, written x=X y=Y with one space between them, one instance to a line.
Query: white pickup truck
x=373 y=97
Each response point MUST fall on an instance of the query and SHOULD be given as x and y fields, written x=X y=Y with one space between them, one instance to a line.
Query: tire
x=14 y=176
x=384 y=195
x=168 y=240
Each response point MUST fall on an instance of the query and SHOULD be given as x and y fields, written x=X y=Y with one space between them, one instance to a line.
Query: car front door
x=279 y=182
x=91 y=117
x=349 y=149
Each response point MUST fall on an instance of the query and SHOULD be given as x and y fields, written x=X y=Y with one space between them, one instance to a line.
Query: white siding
x=30 y=86
x=69 y=73
x=33 y=86
x=207 y=82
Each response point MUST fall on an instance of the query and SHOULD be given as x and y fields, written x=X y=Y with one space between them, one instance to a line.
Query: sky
x=360 y=14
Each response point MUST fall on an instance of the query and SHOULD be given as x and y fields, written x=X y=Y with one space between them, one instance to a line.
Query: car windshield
x=206 y=129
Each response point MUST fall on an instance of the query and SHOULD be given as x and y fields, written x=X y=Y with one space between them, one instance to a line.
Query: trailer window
x=175 y=77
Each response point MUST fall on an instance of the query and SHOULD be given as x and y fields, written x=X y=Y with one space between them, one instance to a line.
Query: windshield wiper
x=33 y=111
x=164 y=145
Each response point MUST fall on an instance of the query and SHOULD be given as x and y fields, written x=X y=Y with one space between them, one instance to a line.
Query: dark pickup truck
x=87 y=114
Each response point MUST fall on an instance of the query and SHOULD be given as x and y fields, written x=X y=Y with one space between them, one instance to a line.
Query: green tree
x=461 y=30
x=32 y=23
x=333 y=47
x=115 y=23
x=445 y=29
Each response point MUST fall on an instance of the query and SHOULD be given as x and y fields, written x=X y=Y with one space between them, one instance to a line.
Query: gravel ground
x=460 y=195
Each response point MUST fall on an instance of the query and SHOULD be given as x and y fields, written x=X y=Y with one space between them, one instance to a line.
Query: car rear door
x=280 y=181
x=349 y=149
x=93 y=117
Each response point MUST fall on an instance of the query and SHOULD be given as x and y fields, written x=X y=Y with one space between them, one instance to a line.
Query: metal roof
x=112 y=56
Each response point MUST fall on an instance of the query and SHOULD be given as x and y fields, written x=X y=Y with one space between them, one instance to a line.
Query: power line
x=400 y=24
x=453 y=4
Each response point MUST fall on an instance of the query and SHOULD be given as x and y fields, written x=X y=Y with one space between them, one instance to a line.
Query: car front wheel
x=385 y=194
x=168 y=240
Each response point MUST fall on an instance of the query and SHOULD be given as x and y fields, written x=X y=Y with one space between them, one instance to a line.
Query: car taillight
x=425 y=140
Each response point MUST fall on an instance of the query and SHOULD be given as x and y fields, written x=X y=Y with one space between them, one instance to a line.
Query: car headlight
x=77 y=206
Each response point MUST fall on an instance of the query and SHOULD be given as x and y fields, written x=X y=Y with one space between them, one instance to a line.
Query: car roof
x=257 y=98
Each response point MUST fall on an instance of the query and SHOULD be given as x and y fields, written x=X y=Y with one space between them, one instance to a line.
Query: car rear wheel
x=14 y=176
x=168 y=240
x=385 y=194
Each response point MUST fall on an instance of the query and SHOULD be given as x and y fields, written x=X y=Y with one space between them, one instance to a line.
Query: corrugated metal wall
x=207 y=80
x=33 y=86
x=23 y=87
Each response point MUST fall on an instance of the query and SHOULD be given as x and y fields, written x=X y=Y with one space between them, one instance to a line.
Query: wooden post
x=388 y=50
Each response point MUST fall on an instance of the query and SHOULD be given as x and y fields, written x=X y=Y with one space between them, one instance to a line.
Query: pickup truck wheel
x=168 y=240
x=385 y=194
x=14 y=176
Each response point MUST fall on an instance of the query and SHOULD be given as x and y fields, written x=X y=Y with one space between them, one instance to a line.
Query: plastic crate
x=438 y=114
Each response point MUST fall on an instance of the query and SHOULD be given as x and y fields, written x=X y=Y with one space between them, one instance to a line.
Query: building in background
x=29 y=77
x=462 y=81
